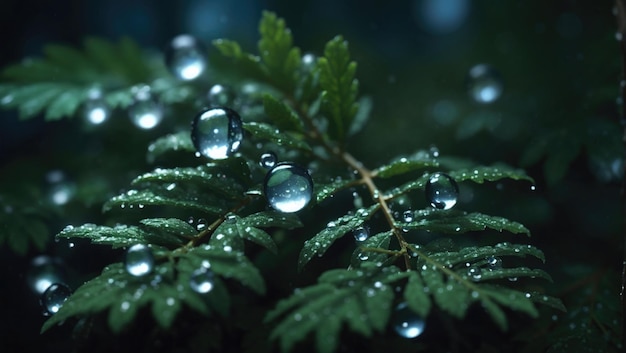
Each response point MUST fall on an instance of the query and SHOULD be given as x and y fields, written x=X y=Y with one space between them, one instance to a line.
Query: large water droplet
x=406 y=322
x=201 y=280
x=361 y=234
x=288 y=187
x=146 y=113
x=96 y=111
x=484 y=84
x=268 y=160
x=139 y=260
x=186 y=57
x=45 y=271
x=217 y=132
x=442 y=191
x=220 y=96
x=53 y=298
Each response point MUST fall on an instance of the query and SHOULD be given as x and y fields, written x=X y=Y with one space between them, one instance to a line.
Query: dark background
x=559 y=62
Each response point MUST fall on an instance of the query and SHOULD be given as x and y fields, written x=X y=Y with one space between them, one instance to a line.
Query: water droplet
x=96 y=111
x=308 y=62
x=201 y=280
x=408 y=216
x=145 y=112
x=268 y=160
x=202 y=223
x=484 y=84
x=619 y=36
x=217 y=132
x=494 y=263
x=220 y=96
x=406 y=322
x=361 y=234
x=363 y=256
x=513 y=279
x=53 y=298
x=288 y=187
x=434 y=151
x=442 y=191
x=185 y=57
x=139 y=260
x=45 y=271
x=475 y=273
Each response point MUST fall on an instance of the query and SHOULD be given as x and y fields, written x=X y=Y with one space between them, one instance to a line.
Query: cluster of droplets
x=185 y=57
x=484 y=84
x=145 y=112
x=442 y=191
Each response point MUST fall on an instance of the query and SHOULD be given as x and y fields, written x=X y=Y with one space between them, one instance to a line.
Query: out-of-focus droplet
x=484 y=84
x=201 y=280
x=145 y=112
x=217 y=132
x=442 y=191
x=139 y=260
x=494 y=263
x=288 y=187
x=185 y=57
x=54 y=297
x=221 y=96
x=406 y=322
x=43 y=272
x=96 y=111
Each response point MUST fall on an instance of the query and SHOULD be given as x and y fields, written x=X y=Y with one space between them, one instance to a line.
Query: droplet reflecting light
x=54 y=297
x=139 y=260
x=441 y=191
x=406 y=322
x=217 y=132
x=288 y=187
x=185 y=57
x=484 y=84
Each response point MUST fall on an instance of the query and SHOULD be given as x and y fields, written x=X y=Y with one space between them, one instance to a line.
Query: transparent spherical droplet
x=43 y=272
x=53 y=298
x=185 y=57
x=406 y=322
x=145 y=112
x=494 y=263
x=96 y=111
x=442 y=191
x=220 y=95
x=288 y=187
x=139 y=260
x=408 y=216
x=475 y=273
x=201 y=224
x=201 y=280
x=217 y=132
x=484 y=84
x=434 y=151
x=268 y=160
x=361 y=234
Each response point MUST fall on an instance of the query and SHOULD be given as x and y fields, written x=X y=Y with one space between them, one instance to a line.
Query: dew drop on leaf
x=268 y=160
x=185 y=57
x=407 y=323
x=361 y=234
x=201 y=280
x=96 y=111
x=43 y=272
x=53 y=298
x=484 y=84
x=220 y=96
x=408 y=216
x=442 y=191
x=494 y=263
x=217 y=132
x=139 y=260
x=145 y=112
x=475 y=273
x=288 y=187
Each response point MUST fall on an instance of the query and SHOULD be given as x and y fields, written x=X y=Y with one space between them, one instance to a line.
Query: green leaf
x=481 y=174
x=247 y=64
x=271 y=133
x=268 y=219
x=361 y=299
x=283 y=116
x=340 y=88
x=180 y=141
x=415 y=295
x=402 y=166
x=473 y=254
x=323 y=191
x=278 y=55
x=377 y=241
x=456 y=222
x=162 y=196
x=362 y=115
x=334 y=230
x=449 y=294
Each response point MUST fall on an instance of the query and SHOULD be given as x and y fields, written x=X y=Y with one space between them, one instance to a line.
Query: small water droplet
x=513 y=279
x=96 y=111
x=139 y=260
x=494 y=263
x=202 y=223
x=363 y=256
x=408 y=216
x=54 y=297
x=484 y=84
x=217 y=132
x=441 y=191
x=434 y=151
x=185 y=57
x=475 y=273
x=220 y=96
x=361 y=234
x=44 y=271
x=268 y=160
x=288 y=187
x=406 y=322
x=145 y=112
